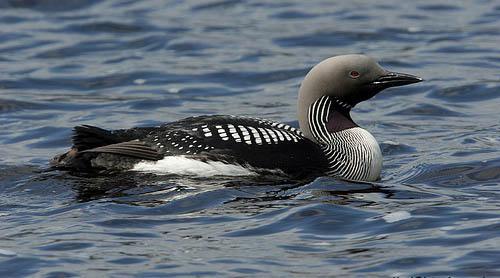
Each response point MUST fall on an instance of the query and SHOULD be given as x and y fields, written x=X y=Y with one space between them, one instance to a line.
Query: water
x=120 y=64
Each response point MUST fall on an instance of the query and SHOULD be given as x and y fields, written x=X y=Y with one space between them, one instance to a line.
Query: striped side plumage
x=251 y=131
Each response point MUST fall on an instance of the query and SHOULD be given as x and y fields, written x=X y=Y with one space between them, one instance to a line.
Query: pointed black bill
x=387 y=80
x=394 y=79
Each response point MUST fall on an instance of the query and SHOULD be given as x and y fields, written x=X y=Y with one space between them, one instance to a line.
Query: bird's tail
x=85 y=137
x=71 y=159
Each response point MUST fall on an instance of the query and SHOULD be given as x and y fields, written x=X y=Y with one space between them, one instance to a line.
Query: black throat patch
x=339 y=120
x=328 y=115
x=339 y=117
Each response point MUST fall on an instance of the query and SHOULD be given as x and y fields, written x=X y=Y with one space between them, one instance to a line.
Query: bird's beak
x=394 y=79
x=386 y=80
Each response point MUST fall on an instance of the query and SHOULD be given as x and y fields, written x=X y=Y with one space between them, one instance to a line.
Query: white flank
x=181 y=165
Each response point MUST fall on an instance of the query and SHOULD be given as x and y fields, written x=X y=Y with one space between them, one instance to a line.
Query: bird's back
x=249 y=142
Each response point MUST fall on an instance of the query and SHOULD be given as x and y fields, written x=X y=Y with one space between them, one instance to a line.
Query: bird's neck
x=352 y=152
x=324 y=116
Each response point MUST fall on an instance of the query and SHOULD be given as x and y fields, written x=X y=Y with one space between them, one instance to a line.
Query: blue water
x=119 y=64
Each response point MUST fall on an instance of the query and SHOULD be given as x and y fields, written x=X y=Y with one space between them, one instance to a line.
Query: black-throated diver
x=327 y=143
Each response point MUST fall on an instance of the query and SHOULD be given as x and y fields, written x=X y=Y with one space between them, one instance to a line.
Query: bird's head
x=352 y=79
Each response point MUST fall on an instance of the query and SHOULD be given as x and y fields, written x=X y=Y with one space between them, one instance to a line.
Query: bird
x=327 y=142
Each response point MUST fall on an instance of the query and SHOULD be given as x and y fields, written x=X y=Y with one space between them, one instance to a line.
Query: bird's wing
x=134 y=148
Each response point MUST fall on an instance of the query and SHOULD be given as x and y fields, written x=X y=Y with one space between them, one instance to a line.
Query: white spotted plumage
x=205 y=137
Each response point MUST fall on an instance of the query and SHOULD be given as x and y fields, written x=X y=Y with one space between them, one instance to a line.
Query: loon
x=327 y=142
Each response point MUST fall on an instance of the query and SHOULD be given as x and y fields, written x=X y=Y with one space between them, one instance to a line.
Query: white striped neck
x=352 y=152
x=328 y=115
x=341 y=104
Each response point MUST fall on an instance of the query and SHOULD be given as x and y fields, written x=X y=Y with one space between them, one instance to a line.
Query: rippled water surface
x=119 y=64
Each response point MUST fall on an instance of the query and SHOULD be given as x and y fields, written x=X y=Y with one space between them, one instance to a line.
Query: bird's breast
x=354 y=154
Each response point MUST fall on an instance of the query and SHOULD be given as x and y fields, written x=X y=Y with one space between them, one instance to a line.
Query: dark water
x=119 y=64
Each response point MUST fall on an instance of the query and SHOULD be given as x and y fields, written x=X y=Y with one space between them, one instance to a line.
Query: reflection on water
x=460 y=175
x=119 y=64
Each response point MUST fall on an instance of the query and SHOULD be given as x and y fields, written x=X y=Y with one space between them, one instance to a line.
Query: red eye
x=354 y=74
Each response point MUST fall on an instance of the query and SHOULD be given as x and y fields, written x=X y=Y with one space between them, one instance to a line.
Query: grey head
x=349 y=79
